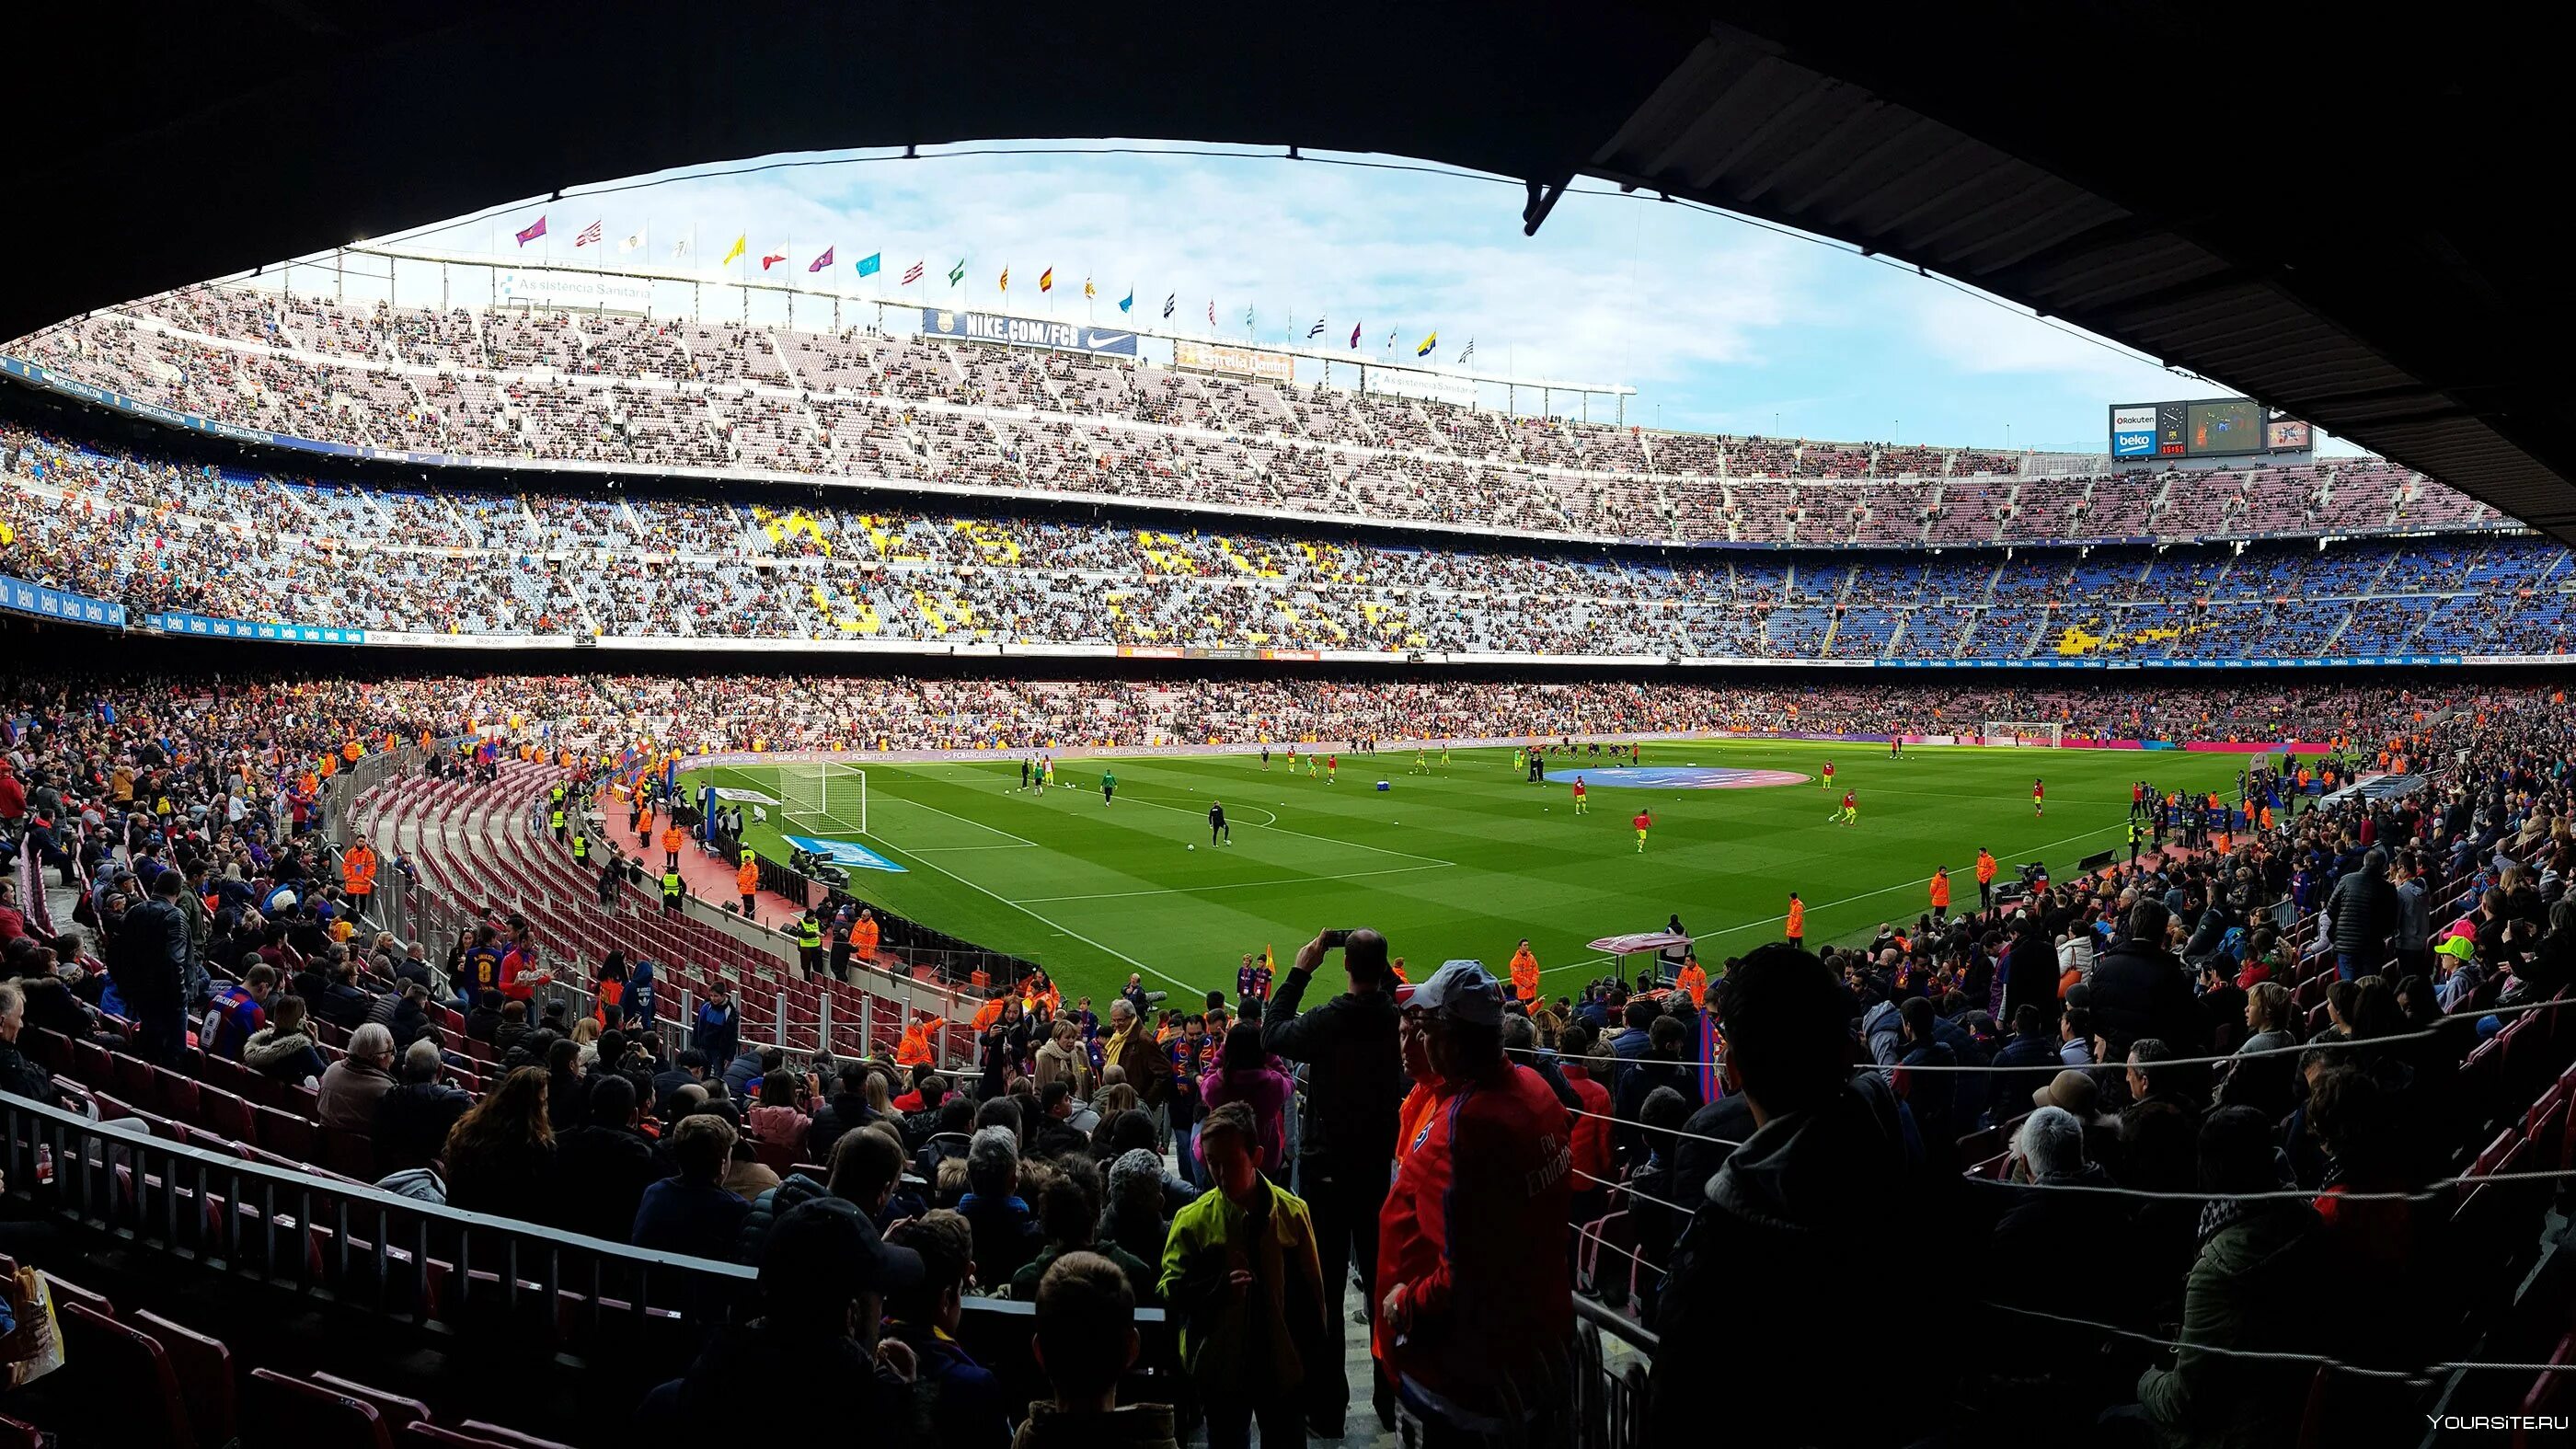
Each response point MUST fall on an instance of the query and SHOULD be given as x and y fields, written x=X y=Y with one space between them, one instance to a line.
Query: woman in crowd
x=500 y=1155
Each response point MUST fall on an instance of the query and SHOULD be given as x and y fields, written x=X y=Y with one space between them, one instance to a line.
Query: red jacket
x=1493 y=1310
x=1591 y=1134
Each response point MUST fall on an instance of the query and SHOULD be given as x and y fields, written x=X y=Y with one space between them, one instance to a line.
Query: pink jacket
x=784 y=1126
x=1267 y=1093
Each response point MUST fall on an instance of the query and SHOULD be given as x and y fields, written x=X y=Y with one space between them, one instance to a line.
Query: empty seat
x=126 y=1387
x=204 y=1368
x=394 y=1409
x=349 y=1154
x=289 y=1413
x=225 y=1115
x=494 y=1433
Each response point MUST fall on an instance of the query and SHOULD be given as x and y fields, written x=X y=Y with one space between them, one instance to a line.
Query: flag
x=1006 y=279
x=912 y=274
x=957 y=273
x=771 y=259
x=1428 y=344
x=741 y=244
x=1046 y=280
x=1390 y=339
x=871 y=264
x=634 y=243
x=587 y=236
x=1171 y=301
x=1469 y=354
x=535 y=230
x=680 y=249
x=1269 y=958
x=1315 y=331
x=1355 y=336
x=1247 y=316
x=1089 y=291
x=1211 y=311
x=821 y=262
x=1128 y=302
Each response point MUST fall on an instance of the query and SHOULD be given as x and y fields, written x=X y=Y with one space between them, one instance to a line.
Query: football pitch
x=1461 y=862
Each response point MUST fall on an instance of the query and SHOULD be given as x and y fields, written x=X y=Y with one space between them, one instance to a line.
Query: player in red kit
x=2038 y=795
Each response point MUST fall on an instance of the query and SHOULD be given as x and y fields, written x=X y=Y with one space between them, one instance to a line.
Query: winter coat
x=1282 y=1312
x=2364 y=910
x=413 y=1119
x=1267 y=1093
x=1355 y=1078
x=2142 y=990
x=601 y=1174
x=2251 y=1288
x=285 y=1056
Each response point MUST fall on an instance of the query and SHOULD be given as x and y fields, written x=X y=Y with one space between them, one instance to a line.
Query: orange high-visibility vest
x=1797 y=917
x=746 y=878
x=1694 y=981
x=671 y=838
x=1941 y=888
x=914 y=1050
x=358 y=868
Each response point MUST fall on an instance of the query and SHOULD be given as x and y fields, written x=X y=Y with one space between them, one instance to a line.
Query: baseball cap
x=825 y=1250
x=1464 y=990
x=2461 y=947
x=2072 y=1090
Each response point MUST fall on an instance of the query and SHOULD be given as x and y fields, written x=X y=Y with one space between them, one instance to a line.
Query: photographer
x=1355 y=1082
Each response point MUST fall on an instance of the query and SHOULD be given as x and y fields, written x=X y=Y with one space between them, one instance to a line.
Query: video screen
x=2220 y=429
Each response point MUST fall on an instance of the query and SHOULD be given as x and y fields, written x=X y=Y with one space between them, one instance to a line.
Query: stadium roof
x=2337 y=221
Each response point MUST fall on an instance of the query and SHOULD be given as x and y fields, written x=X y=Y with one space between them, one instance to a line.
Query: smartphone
x=1336 y=940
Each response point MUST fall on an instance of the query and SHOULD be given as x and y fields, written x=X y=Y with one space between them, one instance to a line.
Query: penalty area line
x=1236 y=885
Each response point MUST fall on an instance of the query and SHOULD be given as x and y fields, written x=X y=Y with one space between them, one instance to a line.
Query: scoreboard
x=2220 y=427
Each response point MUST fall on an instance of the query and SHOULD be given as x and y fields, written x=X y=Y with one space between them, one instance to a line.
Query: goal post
x=824 y=796
x=2023 y=732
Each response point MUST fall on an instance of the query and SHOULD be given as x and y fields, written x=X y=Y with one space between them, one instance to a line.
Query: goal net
x=2027 y=732
x=825 y=797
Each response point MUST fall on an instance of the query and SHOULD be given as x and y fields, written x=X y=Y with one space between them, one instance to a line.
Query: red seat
x=287 y=1413
x=350 y=1154
x=14 y=1435
x=394 y=1409
x=205 y=1371
x=226 y=1115
x=173 y=1095
x=51 y=1049
x=285 y=1133
x=93 y=1064
x=130 y=1394
x=133 y=1078
x=494 y=1433
x=424 y=1433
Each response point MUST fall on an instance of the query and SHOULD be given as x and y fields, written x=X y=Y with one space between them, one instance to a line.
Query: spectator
x=957 y=1400
x=1347 y=1136
x=282 y=1049
x=1085 y=1340
x=845 y=1110
x=821 y=1303
x=1243 y=1074
x=1794 y=1219
x=1070 y=1218
x=500 y=1155
x=150 y=960
x=604 y=1165
x=20 y=1077
x=1136 y=1221
x=692 y=1213
x=413 y=1120
x=2140 y=988
x=2251 y=1289
x=688 y=1069
x=1063 y=1058
x=2361 y=912
x=355 y=1086
x=717 y=1032
x=1056 y=1135
x=864 y=1171
x=1242 y=1272
x=1131 y=1049
x=779 y=1119
x=565 y=1084
x=2260 y=1077
x=1476 y=1315
x=238 y=1012
x=1005 y=1234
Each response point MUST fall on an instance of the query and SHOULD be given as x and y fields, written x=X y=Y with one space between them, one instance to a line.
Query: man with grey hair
x=2059 y=1212
x=1006 y=1235
x=355 y=1086
x=1131 y=1046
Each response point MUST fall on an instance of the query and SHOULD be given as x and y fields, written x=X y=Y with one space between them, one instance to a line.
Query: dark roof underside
x=2335 y=223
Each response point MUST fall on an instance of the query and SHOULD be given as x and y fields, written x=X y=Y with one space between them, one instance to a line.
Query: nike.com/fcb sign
x=1027 y=332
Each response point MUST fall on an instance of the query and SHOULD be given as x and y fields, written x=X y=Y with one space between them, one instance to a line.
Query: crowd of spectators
x=259 y=547
x=506 y=384
x=1229 y=1160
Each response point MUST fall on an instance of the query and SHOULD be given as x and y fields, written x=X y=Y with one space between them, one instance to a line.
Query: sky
x=1721 y=324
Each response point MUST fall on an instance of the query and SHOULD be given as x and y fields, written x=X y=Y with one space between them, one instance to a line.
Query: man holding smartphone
x=1346 y=1148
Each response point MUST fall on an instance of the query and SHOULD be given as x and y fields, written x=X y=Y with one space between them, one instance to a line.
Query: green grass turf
x=1461 y=863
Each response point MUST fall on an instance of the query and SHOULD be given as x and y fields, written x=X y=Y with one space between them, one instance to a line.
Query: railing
x=1613 y=1356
